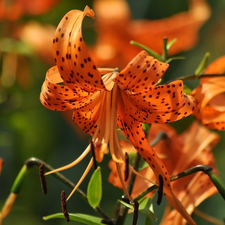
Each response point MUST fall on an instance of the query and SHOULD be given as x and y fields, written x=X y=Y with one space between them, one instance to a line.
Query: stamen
x=42 y=178
x=123 y=184
x=82 y=178
x=135 y=218
x=160 y=191
x=81 y=157
x=126 y=172
x=64 y=208
x=93 y=155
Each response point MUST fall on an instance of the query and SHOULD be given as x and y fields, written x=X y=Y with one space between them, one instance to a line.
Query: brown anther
x=135 y=217
x=42 y=179
x=93 y=155
x=126 y=171
x=64 y=208
x=160 y=191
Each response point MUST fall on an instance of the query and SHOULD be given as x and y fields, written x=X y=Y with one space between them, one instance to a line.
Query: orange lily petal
x=134 y=132
x=163 y=104
x=209 y=97
x=141 y=74
x=59 y=97
x=72 y=58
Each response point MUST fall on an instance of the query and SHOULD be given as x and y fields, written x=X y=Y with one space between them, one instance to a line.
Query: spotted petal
x=59 y=97
x=72 y=58
x=141 y=74
x=162 y=104
x=134 y=132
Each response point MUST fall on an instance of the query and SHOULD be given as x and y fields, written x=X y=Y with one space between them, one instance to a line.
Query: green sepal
x=83 y=218
x=203 y=64
x=94 y=190
x=148 y=50
x=19 y=180
x=145 y=207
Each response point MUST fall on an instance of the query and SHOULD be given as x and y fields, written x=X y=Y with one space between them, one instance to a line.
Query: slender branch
x=194 y=77
x=203 y=168
x=37 y=162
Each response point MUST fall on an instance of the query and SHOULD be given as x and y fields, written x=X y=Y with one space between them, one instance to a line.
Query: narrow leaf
x=148 y=50
x=83 y=218
x=168 y=46
x=94 y=190
x=203 y=64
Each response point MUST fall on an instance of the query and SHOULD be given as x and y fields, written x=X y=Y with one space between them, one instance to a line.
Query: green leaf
x=174 y=58
x=148 y=221
x=148 y=50
x=94 y=190
x=145 y=207
x=83 y=218
x=203 y=64
x=169 y=45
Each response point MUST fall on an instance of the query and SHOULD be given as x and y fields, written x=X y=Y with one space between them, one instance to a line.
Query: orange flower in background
x=178 y=153
x=115 y=29
x=210 y=98
x=13 y=10
x=101 y=99
x=38 y=37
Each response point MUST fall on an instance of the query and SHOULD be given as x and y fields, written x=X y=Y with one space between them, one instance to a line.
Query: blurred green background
x=27 y=129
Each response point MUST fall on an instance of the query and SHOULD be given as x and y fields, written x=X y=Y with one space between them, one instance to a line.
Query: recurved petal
x=56 y=96
x=208 y=90
x=87 y=113
x=141 y=74
x=162 y=104
x=71 y=55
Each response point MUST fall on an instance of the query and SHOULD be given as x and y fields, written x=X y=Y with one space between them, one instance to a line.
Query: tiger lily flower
x=101 y=99
x=178 y=153
x=116 y=28
x=210 y=98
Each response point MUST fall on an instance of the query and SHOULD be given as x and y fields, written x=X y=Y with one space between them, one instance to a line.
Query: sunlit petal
x=72 y=58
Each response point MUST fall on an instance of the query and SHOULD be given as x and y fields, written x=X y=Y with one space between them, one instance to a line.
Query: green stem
x=165 y=51
x=37 y=162
x=206 y=169
x=194 y=77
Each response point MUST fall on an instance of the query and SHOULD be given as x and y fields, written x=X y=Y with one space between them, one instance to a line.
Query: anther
x=116 y=71
x=135 y=218
x=93 y=155
x=126 y=171
x=160 y=191
x=64 y=208
x=42 y=178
